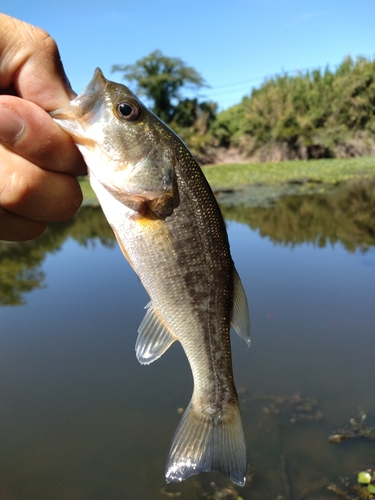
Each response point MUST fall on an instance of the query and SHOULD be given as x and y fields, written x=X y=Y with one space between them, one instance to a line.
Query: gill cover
x=125 y=146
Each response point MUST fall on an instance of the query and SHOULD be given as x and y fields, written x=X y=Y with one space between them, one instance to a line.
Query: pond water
x=81 y=419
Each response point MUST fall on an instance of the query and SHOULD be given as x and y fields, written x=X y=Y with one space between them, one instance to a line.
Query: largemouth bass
x=171 y=231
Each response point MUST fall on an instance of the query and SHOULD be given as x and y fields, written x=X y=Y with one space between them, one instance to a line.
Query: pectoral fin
x=154 y=338
x=163 y=206
x=240 y=315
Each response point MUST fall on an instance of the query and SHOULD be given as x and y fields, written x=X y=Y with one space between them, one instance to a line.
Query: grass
x=232 y=176
x=329 y=171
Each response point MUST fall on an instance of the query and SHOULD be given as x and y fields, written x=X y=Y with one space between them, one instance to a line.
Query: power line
x=216 y=94
x=268 y=77
x=229 y=92
x=265 y=77
x=238 y=83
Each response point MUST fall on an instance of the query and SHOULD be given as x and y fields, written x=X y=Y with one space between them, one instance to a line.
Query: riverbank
x=259 y=183
x=323 y=171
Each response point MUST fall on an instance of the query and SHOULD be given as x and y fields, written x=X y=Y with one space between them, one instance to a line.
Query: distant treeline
x=318 y=114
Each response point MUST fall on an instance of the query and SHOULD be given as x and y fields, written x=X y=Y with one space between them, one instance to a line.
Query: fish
x=170 y=229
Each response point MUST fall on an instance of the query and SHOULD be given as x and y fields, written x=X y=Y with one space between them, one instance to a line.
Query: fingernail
x=11 y=125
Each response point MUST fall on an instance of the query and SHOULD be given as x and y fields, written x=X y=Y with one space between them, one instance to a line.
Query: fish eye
x=128 y=110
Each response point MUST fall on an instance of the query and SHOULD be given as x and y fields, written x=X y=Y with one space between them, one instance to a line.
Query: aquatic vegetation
x=364 y=477
x=296 y=407
x=353 y=430
x=363 y=488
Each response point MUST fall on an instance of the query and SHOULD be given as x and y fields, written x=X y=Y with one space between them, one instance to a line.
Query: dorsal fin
x=154 y=338
x=240 y=315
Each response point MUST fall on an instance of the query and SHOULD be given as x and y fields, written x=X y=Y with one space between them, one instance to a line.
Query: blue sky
x=234 y=44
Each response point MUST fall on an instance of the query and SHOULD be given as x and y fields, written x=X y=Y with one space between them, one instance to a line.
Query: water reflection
x=19 y=271
x=20 y=263
x=345 y=215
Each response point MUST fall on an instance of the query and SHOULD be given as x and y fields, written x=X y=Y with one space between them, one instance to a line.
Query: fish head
x=126 y=147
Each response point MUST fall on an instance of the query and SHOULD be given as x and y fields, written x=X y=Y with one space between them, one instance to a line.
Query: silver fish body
x=171 y=231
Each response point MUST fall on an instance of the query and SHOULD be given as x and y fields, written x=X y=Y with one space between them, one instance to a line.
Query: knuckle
x=14 y=190
x=44 y=39
x=72 y=201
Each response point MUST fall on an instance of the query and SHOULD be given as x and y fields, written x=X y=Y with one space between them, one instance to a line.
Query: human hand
x=38 y=160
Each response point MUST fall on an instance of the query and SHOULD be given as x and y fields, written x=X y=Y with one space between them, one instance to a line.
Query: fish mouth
x=85 y=101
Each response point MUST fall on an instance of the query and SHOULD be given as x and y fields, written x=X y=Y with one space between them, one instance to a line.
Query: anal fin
x=240 y=315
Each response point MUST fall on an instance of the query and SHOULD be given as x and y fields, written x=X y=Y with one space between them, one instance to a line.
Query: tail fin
x=202 y=444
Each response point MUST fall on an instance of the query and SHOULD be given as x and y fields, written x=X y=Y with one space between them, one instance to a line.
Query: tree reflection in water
x=21 y=263
x=345 y=214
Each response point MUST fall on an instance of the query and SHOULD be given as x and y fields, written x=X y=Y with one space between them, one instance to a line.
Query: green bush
x=311 y=115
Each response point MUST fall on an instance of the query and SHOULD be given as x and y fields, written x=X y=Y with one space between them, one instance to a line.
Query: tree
x=161 y=79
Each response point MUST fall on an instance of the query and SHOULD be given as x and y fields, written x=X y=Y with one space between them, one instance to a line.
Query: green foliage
x=192 y=122
x=229 y=125
x=161 y=79
x=312 y=115
x=318 y=114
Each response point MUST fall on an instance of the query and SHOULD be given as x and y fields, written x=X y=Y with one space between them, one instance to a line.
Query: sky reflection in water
x=81 y=419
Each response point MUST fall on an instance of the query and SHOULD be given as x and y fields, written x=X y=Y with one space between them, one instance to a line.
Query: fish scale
x=170 y=229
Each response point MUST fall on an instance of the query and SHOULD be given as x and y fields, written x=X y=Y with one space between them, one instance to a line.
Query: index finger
x=39 y=140
x=30 y=61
